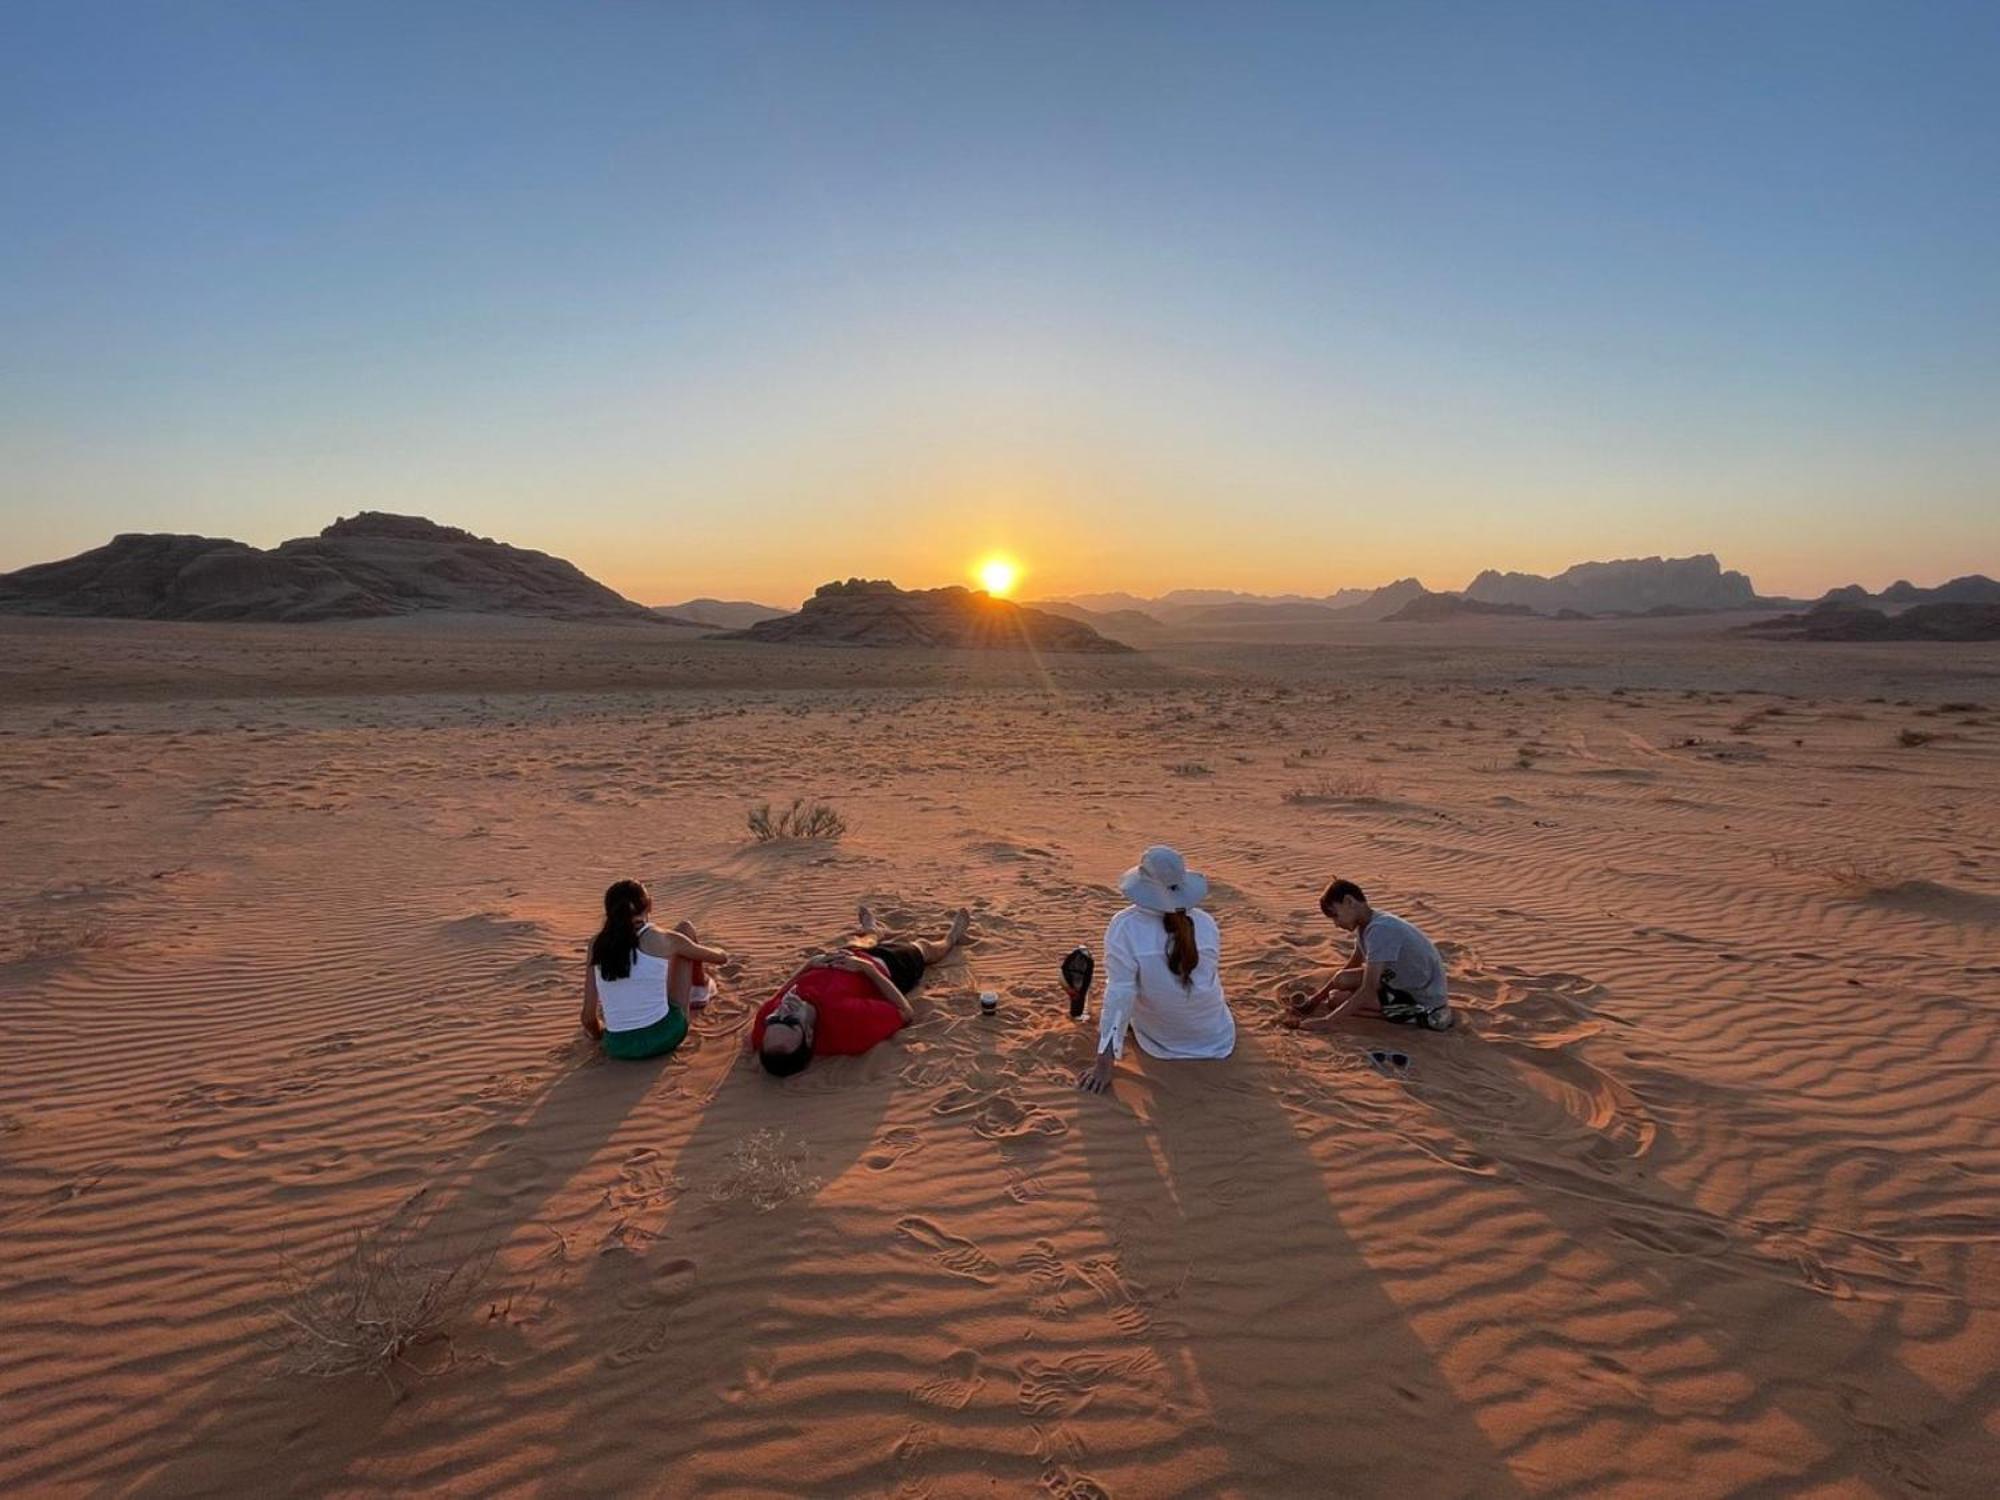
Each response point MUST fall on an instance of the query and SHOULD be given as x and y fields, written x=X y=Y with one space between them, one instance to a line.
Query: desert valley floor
x=1701 y=1199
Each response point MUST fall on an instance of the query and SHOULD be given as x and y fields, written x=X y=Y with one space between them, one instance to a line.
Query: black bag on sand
x=1077 y=971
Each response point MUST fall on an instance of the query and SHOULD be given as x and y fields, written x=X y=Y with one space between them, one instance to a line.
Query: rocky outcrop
x=368 y=565
x=1628 y=586
x=1972 y=588
x=874 y=612
x=1838 y=620
x=1431 y=607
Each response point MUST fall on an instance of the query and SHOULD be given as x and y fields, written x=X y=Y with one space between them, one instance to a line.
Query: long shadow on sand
x=1788 y=1327
x=1315 y=1380
x=266 y=1435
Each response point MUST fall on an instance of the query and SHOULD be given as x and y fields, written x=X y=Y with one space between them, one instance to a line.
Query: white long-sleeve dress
x=1140 y=992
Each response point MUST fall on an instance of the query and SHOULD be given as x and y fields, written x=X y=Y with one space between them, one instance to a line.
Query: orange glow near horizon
x=998 y=575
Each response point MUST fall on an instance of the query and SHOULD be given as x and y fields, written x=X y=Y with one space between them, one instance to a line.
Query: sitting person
x=844 y=1003
x=639 y=981
x=1394 y=973
x=1161 y=960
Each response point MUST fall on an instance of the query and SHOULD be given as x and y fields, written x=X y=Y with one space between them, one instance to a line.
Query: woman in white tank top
x=639 y=981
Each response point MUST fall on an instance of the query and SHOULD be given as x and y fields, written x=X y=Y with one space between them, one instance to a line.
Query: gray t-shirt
x=1411 y=958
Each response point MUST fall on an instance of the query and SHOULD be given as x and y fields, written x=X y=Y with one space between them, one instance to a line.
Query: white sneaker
x=700 y=995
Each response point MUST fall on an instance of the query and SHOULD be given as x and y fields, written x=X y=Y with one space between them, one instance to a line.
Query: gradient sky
x=736 y=298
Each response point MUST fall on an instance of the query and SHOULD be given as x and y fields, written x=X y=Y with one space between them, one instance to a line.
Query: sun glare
x=998 y=575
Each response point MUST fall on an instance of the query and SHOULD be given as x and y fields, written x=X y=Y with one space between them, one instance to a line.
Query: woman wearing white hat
x=1161 y=956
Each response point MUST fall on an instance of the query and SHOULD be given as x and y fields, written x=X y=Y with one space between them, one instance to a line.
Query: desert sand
x=1701 y=1199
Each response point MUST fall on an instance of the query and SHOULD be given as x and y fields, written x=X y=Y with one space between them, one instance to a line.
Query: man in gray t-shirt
x=1394 y=972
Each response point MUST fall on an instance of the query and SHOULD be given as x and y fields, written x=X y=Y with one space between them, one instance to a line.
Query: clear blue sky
x=736 y=298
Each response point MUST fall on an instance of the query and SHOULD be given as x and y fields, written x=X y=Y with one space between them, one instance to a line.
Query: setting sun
x=998 y=575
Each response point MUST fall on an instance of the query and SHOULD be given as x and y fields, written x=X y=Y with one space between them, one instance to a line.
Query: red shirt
x=853 y=1016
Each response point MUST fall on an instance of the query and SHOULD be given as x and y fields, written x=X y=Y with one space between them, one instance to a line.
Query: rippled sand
x=1701 y=1199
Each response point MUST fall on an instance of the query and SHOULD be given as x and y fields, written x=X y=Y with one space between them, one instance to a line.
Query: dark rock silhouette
x=1628 y=586
x=1972 y=588
x=362 y=567
x=1841 y=620
x=874 y=612
x=1429 y=607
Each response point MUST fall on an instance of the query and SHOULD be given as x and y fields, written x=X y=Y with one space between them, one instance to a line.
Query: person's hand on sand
x=1096 y=1079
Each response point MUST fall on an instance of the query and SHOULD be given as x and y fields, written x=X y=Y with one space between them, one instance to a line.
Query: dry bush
x=766 y=1168
x=40 y=939
x=1909 y=739
x=370 y=1305
x=1856 y=879
x=1189 y=768
x=802 y=820
x=1337 y=789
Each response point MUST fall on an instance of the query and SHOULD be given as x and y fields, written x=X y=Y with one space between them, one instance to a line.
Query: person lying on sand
x=1394 y=973
x=1162 y=956
x=845 y=1002
x=639 y=980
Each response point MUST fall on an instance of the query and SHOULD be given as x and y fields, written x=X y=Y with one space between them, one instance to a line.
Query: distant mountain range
x=376 y=564
x=371 y=565
x=874 y=612
x=719 y=614
x=1973 y=588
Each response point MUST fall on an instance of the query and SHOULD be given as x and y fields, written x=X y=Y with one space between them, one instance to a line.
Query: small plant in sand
x=802 y=820
x=765 y=1169
x=1909 y=739
x=370 y=1306
x=1856 y=879
x=1345 y=788
x=41 y=939
x=1189 y=768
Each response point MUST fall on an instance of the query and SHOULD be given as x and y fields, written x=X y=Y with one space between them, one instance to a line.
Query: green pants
x=656 y=1040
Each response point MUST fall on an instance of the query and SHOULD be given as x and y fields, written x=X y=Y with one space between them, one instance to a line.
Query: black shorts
x=904 y=963
x=1405 y=1009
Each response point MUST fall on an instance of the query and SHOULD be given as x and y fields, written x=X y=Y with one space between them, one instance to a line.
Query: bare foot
x=865 y=923
x=961 y=921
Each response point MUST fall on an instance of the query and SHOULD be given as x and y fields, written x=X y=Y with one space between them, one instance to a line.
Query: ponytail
x=1182 y=955
x=618 y=939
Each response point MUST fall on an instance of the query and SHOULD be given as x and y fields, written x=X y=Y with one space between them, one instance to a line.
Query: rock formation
x=874 y=612
x=1628 y=586
x=370 y=565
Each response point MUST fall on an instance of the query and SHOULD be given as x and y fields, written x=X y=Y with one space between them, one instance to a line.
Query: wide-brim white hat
x=1162 y=882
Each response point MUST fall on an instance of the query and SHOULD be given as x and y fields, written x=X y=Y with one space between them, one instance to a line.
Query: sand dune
x=1702 y=1199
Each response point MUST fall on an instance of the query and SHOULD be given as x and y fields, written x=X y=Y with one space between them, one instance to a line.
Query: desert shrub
x=765 y=1168
x=1909 y=739
x=1189 y=768
x=1852 y=877
x=370 y=1305
x=1336 y=789
x=802 y=820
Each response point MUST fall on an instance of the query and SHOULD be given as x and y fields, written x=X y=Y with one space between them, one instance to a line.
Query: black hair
x=785 y=1064
x=1182 y=954
x=618 y=939
x=1338 y=892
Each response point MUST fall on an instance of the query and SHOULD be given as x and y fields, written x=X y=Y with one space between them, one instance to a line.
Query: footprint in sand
x=896 y=1143
x=1048 y=1280
x=954 y=1387
x=1066 y=1386
x=917 y=1440
x=958 y=1256
x=1127 y=1305
x=1005 y=1119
